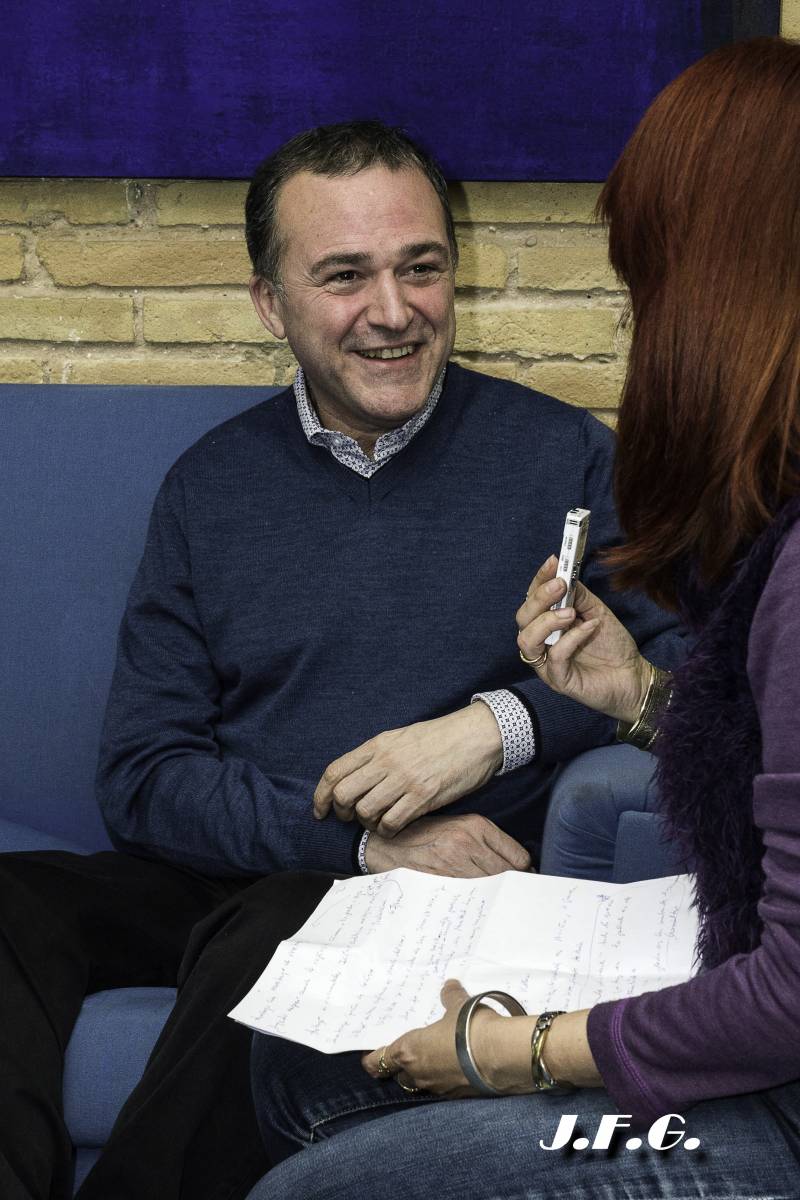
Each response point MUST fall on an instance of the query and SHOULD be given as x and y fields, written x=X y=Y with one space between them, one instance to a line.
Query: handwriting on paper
x=370 y=961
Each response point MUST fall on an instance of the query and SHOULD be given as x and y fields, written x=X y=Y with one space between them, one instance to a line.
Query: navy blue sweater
x=287 y=609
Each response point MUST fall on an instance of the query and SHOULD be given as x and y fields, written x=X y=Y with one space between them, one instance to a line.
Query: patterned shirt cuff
x=516 y=728
x=362 y=853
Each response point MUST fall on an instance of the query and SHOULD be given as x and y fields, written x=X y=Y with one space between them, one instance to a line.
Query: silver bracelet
x=466 y=1058
x=362 y=853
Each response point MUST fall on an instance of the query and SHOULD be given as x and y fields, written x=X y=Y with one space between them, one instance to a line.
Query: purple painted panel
x=511 y=89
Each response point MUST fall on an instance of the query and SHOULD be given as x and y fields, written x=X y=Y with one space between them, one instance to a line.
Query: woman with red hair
x=703 y=210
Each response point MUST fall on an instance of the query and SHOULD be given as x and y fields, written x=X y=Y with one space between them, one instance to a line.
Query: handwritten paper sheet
x=370 y=961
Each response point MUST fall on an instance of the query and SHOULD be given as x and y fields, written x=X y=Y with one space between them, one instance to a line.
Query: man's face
x=367 y=295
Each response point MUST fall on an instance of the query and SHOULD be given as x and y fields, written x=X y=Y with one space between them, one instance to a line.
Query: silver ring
x=535 y=662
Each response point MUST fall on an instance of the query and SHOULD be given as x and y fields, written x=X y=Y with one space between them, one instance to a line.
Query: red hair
x=703 y=209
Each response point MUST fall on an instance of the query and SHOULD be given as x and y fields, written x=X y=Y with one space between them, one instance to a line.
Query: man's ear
x=268 y=305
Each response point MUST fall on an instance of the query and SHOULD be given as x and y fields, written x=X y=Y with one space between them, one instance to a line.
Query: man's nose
x=388 y=306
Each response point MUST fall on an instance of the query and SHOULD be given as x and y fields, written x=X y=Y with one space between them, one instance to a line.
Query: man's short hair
x=343 y=149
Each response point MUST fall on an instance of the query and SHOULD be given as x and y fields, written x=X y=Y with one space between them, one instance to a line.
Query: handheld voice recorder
x=573 y=544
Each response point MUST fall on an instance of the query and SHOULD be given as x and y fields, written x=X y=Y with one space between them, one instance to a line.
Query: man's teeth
x=392 y=352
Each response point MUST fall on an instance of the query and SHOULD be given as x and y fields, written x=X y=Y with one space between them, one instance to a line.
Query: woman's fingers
x=453 y=994
x=540 y=599
x=571 y=642
x=379 y=1063
x=531 y=638
x=546 y=571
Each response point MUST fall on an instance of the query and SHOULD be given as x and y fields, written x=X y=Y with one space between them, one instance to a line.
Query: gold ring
x=384 y=1071
x=405 y=1086
x=534 y=662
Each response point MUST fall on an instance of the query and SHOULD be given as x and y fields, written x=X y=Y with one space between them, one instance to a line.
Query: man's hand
x=466 y=846
x=401 y=774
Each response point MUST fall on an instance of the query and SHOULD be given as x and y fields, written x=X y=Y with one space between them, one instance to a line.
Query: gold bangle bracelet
x=644 y=730
x=543 y=1081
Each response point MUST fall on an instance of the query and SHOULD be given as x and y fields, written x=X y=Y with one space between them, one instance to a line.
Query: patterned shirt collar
x=345 y=449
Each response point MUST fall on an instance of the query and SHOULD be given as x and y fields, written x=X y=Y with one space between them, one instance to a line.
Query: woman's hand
x=595 y=661
x=426 y=1058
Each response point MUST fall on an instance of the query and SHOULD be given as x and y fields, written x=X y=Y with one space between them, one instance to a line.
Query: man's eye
x=343 y=277
x=424 y=271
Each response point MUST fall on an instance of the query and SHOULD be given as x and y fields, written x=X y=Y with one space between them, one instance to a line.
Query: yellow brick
x=11 y=256
x=20 y=370
x=481 y=265
x=533 y=332
x=790 y=18
x=567 y=260
x=228 y=317
x=499 y=368
x=587 y=384
x=66 y=318
x=133 y=262
x=174 y=370
x=81 y=201
x=201 y=202
x=285 y=364
x=524 y=203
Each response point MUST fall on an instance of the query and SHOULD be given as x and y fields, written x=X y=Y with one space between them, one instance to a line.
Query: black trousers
x=71 y=925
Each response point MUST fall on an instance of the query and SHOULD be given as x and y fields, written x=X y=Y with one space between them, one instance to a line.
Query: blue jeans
x=365 y=1138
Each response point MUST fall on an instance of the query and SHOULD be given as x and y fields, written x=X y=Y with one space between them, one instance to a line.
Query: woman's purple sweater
x=735 y=1028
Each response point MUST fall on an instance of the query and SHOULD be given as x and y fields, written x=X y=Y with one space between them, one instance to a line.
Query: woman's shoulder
x=773 y=653
x=780 y=589
x=787 y=551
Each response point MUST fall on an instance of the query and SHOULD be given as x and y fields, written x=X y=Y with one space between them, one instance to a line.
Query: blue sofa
x=79 y=468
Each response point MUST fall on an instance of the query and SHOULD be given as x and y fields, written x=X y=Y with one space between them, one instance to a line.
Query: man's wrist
x=515 y=727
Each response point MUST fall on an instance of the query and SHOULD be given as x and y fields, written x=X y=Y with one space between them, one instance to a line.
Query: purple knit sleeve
x=736 y=1028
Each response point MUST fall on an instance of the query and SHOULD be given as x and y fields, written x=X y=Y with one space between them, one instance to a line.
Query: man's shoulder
x=506 y=403
x=250 y=432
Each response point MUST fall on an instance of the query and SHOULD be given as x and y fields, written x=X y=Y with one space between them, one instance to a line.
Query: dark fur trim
x=710 y=751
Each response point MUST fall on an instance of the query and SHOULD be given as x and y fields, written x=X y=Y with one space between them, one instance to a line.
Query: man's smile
x=388 y=352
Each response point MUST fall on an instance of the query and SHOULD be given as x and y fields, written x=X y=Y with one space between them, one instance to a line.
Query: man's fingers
x=507 y=849
x=374 y=804
x=405 y=810
x=334 y=773
x=348 y=792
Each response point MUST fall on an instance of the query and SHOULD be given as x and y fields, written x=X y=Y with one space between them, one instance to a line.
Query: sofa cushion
x=106 y=1056
x=15 y=837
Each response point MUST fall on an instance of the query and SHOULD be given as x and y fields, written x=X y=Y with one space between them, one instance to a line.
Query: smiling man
x=364 y=295
x=322 y=627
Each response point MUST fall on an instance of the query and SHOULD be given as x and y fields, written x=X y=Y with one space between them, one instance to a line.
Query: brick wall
x=138 y=281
